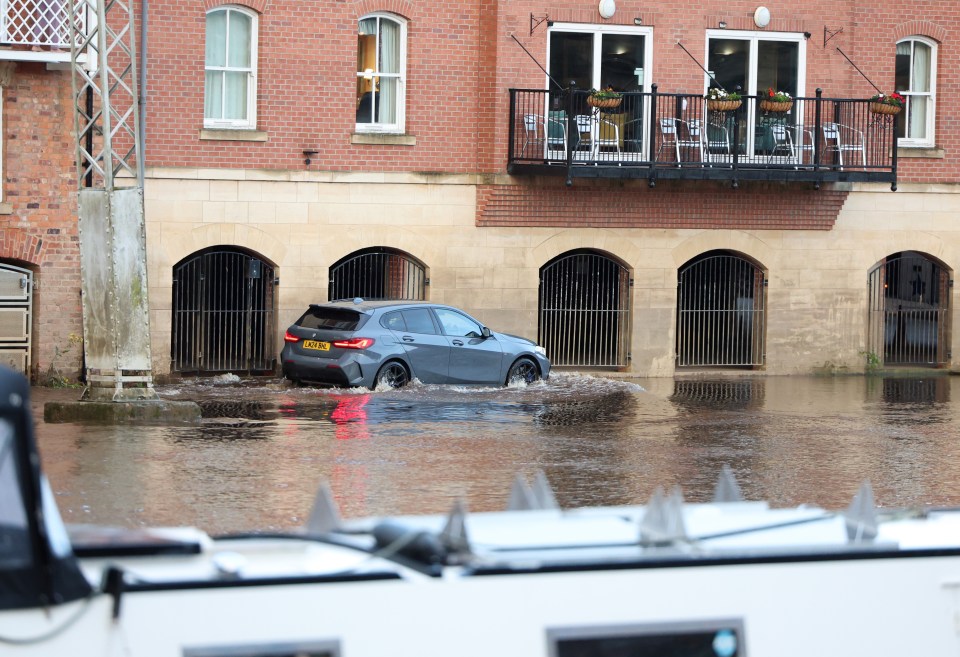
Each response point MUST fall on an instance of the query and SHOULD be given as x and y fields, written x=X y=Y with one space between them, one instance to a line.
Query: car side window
x=418 y=320
x=458 y=325
x=393 y=321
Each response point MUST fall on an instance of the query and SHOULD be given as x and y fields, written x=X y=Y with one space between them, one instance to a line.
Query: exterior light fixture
x=307 y=154
x=607 y=8
x=723 y=25
x=761 y=17
x=638 y=20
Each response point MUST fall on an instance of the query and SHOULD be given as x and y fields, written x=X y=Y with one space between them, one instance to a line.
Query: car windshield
x=336 y=319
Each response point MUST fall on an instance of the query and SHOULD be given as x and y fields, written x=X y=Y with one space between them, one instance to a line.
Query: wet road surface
x=264 y=446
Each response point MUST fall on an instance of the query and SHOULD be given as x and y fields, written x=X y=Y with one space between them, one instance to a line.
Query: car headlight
x=540 y=350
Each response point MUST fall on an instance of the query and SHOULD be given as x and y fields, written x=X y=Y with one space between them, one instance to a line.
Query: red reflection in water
x=350 y=418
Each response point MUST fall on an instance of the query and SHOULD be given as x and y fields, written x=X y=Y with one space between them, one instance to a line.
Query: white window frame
x=399 y=126
x=754 y=37
x=250 y=123
x=931 y=96
x=637 y=30
x=585 y=28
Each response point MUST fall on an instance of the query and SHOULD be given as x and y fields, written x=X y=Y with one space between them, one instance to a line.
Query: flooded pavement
x=264 y=446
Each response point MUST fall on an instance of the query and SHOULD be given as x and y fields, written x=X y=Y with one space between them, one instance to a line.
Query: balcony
x=658 y=136
x=35 y=30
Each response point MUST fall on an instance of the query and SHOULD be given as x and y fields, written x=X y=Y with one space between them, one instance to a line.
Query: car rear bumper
x=345 y=371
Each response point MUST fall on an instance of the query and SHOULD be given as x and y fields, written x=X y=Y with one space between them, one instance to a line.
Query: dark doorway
x=585 y=310
x=224 y=308
x=909 y=322
x=720 y=312
x=377 y=273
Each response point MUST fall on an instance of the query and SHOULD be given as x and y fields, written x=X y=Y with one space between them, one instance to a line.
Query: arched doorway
x=585 y=310
x=223 y=313
x=720 y=312
x=16 y=316
x=378 y=273
x=909 y=299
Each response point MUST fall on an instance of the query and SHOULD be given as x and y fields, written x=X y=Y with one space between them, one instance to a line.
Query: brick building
x=40 y=312
x=301 y=151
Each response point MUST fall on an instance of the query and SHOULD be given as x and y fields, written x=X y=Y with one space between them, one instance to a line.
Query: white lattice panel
x=36 y=23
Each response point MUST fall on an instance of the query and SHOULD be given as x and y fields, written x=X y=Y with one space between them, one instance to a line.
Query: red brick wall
x=307 y=88
x=669 y=205
x=462 y=61
x=41 y=233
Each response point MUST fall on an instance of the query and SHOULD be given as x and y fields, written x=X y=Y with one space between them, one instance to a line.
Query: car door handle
x=458 y=343
x=407 y=338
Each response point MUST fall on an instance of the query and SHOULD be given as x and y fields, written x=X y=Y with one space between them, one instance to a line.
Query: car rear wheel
x=524 y=370
x=393 y=375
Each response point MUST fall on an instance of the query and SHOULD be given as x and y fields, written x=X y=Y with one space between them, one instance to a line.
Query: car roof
x=363 y=305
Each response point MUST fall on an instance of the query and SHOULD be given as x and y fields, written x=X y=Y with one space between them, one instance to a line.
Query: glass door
x=758 y=65
x=604 y=57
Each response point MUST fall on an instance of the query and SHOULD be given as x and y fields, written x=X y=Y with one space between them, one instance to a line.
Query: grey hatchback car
x=372 y=343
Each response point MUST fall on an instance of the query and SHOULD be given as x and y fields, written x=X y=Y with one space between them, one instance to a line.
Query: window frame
x=250 y=123
x=399 y=126
x=754 y=37
x=646 y=31
x=930 y=140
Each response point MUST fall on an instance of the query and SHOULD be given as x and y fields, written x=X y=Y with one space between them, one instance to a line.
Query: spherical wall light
x=607 y=8
x=761 y=17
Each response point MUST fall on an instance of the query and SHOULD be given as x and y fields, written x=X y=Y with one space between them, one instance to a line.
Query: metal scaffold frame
x=109 y=158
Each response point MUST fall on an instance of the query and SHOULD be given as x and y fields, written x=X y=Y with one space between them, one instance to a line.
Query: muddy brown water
x=263 y=447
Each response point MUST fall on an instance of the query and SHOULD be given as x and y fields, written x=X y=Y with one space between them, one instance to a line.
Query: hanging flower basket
x=776 y=106
x=723 y=105
x=604 y=103
x=884 y=108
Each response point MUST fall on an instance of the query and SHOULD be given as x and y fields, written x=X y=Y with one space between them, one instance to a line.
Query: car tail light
x=354 y=343
x=290 y=337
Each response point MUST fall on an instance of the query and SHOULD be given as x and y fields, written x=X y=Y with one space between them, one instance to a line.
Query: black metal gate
x=223 y=313
x=377 y=273
x=585 y=310
x=720 y=312
x=909 y=319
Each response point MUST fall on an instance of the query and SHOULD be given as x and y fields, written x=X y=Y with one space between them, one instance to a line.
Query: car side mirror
x=485 y=332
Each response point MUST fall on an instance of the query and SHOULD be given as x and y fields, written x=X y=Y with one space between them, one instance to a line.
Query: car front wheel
x=392 y=375
x=524 y=370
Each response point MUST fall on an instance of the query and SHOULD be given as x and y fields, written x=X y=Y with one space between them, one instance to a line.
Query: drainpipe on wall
x=142 y=110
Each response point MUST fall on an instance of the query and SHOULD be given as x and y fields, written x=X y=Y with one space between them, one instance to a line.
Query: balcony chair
x=783 y=145
x=601 y=133
x=679 y=135
x=551 y=132
x=840 y=139
x=717 y=142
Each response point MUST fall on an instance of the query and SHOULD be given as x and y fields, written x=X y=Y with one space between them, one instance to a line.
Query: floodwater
x=264 y=446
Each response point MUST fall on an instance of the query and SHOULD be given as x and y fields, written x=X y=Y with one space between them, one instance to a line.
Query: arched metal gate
x=377 y=273
x=223 y=313
x=585 y=310
x=720 y=312
x=909 y=299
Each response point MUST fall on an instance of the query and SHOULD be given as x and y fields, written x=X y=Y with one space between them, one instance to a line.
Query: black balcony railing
x=684 y=136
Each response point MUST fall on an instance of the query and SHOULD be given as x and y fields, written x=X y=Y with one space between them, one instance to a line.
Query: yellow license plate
x=318 y=346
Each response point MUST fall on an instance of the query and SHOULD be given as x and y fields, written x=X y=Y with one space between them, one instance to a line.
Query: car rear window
x=334 y=319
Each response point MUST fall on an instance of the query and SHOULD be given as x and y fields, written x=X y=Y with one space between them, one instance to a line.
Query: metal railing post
x=653 y=135
x=511 y=151
x=571 y=128
x=893 y=151
x=817 y=131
